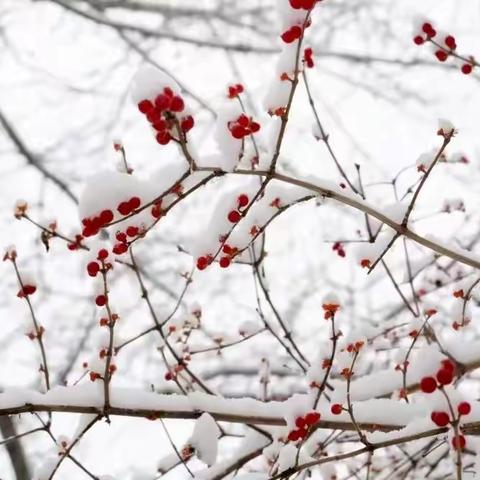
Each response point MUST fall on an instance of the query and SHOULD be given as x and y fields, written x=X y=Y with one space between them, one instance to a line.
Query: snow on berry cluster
x=294 y=19
x=450 y=409
x=243 y=126
x=228 y=251
x=444 y=45
x=158 y=98
x=443 y=376
x=234 y=132
x=304 y=424
x=237 y=221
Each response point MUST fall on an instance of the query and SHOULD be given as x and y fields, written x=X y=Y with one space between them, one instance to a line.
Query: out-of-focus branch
x=157 y=33
x=14 y=449
x=31 y=158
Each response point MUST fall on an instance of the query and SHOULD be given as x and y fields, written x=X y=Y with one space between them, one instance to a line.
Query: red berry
x=134 y=203
x=93 y=268
x=157 y=210
x=297 y=4
x=168 y=376
x=242 y=200
x=448 y=365
x=234 y=216
x=120 y=248
x=121 y=237
x=124 y=208
x=466 y=68
x=444 y=376
x=87 y=231
x=441 y=55
x=187 y=124
x=202 y=263
x=302 y=432
x=450 y=42
x=243 y=121
x=168 y=92
x=160 y=125
x=296 y=31
x=300 y=422
x=106 y=216
x=101 y=300
x=312 y=418
x=254 y=127
x=308 y=4
x=429 y=30
x=440 y=419
x=336 y=409
x=177 y=104
x=292 y=34
x=428 y=384
x=294 y=435
x=145 y=106
x=26 y=291
x=464 y=408
x=458 y=442
x=239 y=88
x=102 y=254
x=97 y=223
x=418 y=40
x=287 y=36
x=238 y=132
x=163 y=138
x=224 y=262
x=132 y=231
x=162 y=101
x=154 y=116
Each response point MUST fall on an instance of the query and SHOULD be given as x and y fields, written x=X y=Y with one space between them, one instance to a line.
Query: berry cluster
x=162 y=113
x=308 y=57
x=303 y=4
x=122 y=238
x=234 y=216
x=444 y=48
x=91 y=226
x=204 y=261
x=242 y=127
x=292 y=34
x=127 y=207
x=442 y=419
x=94 y=267
x=338 y=247
x=235 y=90
x=303 y=425
x=444 y=376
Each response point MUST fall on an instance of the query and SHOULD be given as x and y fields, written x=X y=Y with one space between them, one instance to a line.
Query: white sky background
x=64 y=85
